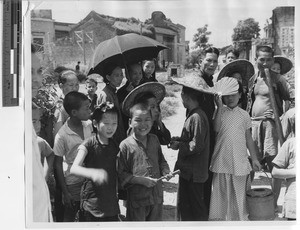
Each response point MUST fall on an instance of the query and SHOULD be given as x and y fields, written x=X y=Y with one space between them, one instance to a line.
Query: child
x=148 y=71
x=285 y=168
x=193 y=157
x=96 y=161
x=91 y=87
x=113 y=77
x=135 y=75
x=229 y=162
x=141 y=163
x=76 y=129
x=67 y=82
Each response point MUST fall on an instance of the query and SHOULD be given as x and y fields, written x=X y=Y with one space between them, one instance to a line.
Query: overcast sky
x=220 y=15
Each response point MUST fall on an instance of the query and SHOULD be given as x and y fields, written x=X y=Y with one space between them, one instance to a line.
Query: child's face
x=232 y=100
x=91 y=88
x=36 y=120
x=141 y=122
x=135 y=74
x=84 y=112
x=149 y=67
x=264 y=60
x=116 y=77
x=153 y=108
x=230 y=57
x=107 y=126
x=276 y=68
x=70 y=85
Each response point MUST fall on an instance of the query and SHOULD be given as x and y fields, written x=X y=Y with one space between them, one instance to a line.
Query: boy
x=140 y=164
x=91 y=87
x=76 y=129
x=193 y=158
x=261 y=112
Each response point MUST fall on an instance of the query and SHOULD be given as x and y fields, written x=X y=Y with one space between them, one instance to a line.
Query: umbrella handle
x=173 y=174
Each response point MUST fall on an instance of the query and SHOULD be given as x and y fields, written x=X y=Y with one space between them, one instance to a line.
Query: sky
x=220 y=15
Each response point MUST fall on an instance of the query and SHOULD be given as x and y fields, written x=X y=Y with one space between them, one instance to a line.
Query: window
x=38 y=42
x=286 y=36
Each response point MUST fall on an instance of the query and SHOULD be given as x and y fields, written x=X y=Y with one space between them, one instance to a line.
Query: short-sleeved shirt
x=281 y=91
x=286 y=159
x=45 y=148
x=193 y=154
x=230 y=154
x=100 y=200
x=136 y=160
x=288 y=123
x=93 y=102
x=108 y=94
x=66 y=144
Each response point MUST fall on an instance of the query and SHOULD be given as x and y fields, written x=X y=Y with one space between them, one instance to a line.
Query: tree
x=201 y=38
x=243 y=34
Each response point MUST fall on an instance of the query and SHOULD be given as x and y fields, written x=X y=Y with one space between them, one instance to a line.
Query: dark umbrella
x=123 y=50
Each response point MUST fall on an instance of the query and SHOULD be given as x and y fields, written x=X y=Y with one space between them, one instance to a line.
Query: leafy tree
x=201 y=38
x=243 y=33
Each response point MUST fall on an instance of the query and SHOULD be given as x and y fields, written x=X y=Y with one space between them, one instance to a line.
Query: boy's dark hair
x=267 y=49
x=193 y=94
x=235 y=52
x=73 y=101
x=143 y=97
x=138 y=106
x=101 y=109
x=62 y=76
x=211 y=49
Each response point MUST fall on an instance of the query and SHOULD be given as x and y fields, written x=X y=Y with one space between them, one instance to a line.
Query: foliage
x=169 y=106
x=193 y=58
x=201 y=38
x=243 y=33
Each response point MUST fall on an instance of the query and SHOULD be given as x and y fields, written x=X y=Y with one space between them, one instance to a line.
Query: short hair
x=211 y=49
x=138 y=106
x=266 y=49
x=193 y=94
x=62 y=77
x=102 y=109
x=91 y=79
x=234 y=51
x=73 y=101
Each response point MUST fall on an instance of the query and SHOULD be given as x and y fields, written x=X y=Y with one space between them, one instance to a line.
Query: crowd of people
x=107 y=146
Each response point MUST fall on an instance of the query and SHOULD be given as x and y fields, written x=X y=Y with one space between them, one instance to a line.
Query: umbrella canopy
x=123 y=50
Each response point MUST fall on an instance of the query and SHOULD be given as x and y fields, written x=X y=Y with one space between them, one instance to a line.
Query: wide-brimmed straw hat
x=193 y=81
x=285 y=64
x=157 y=89
x=241 y=66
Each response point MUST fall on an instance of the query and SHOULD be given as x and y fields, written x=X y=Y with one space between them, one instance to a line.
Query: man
x=40 y=194
x=261 y=111
x=209 y=63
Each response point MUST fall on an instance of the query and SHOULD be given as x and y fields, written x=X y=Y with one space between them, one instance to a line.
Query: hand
x=269 y=114
x=256 y=165
x=174 y=145
x=149 y=182
x=168 y=176
x=218 y=100
x=99 y=176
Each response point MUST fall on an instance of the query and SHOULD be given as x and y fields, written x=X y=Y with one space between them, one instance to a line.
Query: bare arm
x=283 y=173
x=48 y=165
x=253 y=149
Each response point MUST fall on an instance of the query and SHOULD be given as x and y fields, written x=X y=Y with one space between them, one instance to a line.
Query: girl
x=96 y=161
x=113 y=78
x=148 y=71
x=229 y=162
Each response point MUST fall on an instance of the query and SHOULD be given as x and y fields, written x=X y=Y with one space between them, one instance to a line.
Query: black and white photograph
x=129 y=114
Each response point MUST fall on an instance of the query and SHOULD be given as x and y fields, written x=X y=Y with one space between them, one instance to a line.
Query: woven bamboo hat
x=241 y=66
x=285 y=64
x=157 y=89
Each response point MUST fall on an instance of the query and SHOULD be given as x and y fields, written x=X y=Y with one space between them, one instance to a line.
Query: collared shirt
x=193 y=154
x=66 y=144
x=136 y=160
x=41 y=205
x=109 y=94
x=281 y=91
x=230 y=153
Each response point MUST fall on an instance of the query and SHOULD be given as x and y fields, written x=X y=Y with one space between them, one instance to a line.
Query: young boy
x=76 y=129
x=193 y=158
x=140 y=164
x=91 y=87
